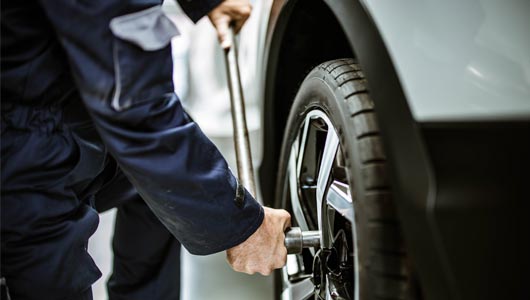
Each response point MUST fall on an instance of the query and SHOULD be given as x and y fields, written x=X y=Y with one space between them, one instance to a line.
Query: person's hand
x=264 y=250
x=235 y=12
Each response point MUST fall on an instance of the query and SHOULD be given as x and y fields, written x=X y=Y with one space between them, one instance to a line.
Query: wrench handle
x=245 y=169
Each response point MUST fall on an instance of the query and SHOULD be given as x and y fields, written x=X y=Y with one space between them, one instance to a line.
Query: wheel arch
x=287 y=63
x=345 y=29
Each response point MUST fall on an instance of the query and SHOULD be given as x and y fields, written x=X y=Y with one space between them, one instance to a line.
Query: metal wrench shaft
x=245 y=169
x=295 y=239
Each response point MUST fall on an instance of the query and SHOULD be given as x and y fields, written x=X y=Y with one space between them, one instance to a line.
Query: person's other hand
x=264 y=250
x=235 y=12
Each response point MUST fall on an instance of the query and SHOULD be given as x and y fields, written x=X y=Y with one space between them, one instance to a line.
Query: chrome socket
x=296 y=240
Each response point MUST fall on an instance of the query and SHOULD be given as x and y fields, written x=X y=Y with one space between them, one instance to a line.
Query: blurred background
x=200 y=82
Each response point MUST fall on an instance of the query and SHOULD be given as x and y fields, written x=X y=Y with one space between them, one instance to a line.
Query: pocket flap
x=150 y=29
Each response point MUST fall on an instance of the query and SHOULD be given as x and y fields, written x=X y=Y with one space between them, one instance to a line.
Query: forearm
x=181 y=176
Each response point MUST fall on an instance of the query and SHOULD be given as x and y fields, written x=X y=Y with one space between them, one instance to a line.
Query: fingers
x=235 y=12
x=223 y=26
x=243 y=266
x=241 y=18
x=287 y=220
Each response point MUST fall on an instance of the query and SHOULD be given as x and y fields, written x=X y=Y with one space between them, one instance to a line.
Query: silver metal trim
x=340 y=200
x=298 y=290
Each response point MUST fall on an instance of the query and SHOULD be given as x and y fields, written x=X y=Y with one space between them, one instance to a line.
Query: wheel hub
x=333 y=270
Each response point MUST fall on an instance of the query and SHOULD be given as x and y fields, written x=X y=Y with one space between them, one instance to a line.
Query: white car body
x=472 y=65
x=467 y=67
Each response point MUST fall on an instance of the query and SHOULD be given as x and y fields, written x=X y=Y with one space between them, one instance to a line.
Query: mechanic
x=90 y=121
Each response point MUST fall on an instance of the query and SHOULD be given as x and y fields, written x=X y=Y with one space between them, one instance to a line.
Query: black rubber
x=339 y=89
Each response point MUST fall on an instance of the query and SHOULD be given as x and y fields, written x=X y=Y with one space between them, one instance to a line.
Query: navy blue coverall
x=90 y=121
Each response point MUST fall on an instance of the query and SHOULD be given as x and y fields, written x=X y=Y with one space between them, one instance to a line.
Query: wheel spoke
x=302 y=142
x=299 y=290
x=339 y=198
x=293 y=190
x=328 y=156
x=324 y=173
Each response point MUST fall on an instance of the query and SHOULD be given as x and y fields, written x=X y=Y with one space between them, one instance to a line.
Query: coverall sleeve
x=196 y=9
x=120 y=57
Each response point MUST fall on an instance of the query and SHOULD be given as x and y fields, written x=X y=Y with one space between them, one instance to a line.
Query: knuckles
x=252 y=268
x=272 y=254
x=246 y=10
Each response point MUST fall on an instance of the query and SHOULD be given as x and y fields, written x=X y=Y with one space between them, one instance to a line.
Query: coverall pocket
x=142 y=57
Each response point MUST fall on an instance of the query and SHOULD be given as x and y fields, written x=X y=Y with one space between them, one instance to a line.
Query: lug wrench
x=245 y=169
x=295 y=238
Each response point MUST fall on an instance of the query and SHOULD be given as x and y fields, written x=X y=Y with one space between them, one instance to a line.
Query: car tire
x=337 y=92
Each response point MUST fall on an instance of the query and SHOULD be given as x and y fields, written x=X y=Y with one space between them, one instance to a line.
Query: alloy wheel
x=318 y=195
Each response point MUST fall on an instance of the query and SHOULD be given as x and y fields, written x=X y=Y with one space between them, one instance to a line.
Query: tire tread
x=385 y=261
x=387 y=255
